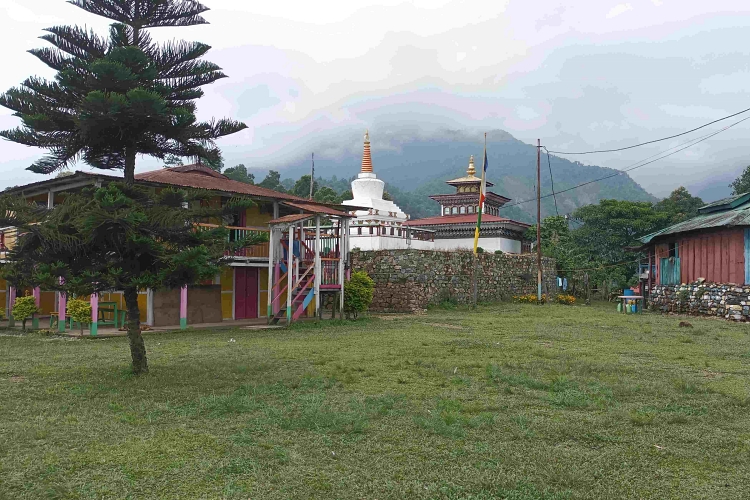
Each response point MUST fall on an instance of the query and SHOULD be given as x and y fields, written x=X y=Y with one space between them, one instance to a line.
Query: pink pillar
x=276 y=285
x=37 y=294
x=11 y=303
x=183 y=307
x=61 y=309
x=94 y=301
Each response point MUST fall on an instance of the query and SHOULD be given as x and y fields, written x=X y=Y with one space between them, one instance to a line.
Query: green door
x=669 y=271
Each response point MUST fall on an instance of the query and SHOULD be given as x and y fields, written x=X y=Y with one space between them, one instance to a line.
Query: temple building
x=454 y=227
x=379 y=224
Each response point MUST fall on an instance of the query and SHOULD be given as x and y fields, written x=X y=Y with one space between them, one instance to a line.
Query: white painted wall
x=367 y=242
x=488 y=244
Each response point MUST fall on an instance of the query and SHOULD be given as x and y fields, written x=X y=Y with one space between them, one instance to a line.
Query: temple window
x=391 y=231
x=463 y=210
x=447 y=210
x=454 y=210
x=371 y=231
x=359 y=230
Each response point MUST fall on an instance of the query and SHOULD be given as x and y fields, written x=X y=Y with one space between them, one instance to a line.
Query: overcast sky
x=578 y=74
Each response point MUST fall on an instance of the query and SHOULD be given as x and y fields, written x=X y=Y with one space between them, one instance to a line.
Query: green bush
x=499 y=252
x=24 y=308
x=358 y=293
x=480 y=250
x=80 y=311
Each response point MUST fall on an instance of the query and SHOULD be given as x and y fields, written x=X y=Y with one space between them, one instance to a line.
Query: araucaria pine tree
x=113 y=98
x=118 y=237
x=119 y=96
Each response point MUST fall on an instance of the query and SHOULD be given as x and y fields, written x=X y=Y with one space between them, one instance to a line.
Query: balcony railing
x=8 y=236
x=257 y=251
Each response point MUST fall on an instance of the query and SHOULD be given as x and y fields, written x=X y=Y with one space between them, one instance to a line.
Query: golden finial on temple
x=471 y=170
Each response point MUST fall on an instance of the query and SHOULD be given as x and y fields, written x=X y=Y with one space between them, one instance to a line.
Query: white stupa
x=379 y=222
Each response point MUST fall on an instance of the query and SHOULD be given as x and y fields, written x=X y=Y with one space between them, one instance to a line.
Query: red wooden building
x=715 y=246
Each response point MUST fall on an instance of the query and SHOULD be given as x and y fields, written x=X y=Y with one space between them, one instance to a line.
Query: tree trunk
x=130 y=165
x=137 y=346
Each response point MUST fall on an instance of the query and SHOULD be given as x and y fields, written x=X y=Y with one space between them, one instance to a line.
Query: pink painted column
x=37 y=294
x=183 y=307
x=62 y=306
x=276 y=276
x=11 y=303
x=94 y=301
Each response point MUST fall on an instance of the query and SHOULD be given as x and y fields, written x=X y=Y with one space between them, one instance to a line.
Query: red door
x=245 y=292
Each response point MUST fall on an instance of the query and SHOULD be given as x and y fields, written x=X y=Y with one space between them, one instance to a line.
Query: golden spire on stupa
x=471 y=170
x=366 y=158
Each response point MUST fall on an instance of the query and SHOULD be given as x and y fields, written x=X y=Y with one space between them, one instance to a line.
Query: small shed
x=714 y=246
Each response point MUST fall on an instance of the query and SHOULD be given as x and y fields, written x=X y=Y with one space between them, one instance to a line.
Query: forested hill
x=414 y=169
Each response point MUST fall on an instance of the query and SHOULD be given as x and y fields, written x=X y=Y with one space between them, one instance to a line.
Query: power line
x=649 y=142
x=638 y=164
x=552 y=181
x=657 y=253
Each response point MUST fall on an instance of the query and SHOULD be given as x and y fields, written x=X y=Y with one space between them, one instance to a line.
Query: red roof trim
x=462 y=219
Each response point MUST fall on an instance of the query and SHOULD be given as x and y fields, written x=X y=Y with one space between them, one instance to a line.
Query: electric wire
x=552 y=181
x=649 y=142
x=638 y=164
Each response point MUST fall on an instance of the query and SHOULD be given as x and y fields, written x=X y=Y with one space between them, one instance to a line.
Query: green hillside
x=415 y=169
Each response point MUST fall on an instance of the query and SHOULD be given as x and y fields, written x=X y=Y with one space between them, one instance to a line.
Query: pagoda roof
x=469 y=179
x=458 y=197
x=463 y=219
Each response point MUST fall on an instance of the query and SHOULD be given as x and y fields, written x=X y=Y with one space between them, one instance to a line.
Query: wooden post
x=539 y=221
x=650 y=274
x=183 y=307
x=342 y=252
x=317 y=270
x=94 y=301
x=270 y=313
x=290 y=275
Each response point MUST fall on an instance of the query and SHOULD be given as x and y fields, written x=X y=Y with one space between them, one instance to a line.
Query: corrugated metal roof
x=725 y=203
x=738 y=216
x=290 y=218
x=201 y=177
x=317 y=209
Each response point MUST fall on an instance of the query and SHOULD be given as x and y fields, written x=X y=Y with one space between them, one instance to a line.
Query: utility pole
x=539 y=221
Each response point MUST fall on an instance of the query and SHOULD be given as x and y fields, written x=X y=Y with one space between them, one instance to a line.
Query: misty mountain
x=416 y=167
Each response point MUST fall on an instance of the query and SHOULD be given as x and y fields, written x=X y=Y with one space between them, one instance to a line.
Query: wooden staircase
x=300 y=262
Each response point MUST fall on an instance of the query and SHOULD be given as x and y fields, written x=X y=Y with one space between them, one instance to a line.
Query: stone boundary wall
x=724 y=300
x=410 y=280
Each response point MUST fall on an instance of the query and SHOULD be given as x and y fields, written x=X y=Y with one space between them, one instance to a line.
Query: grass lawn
x=511 y=401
